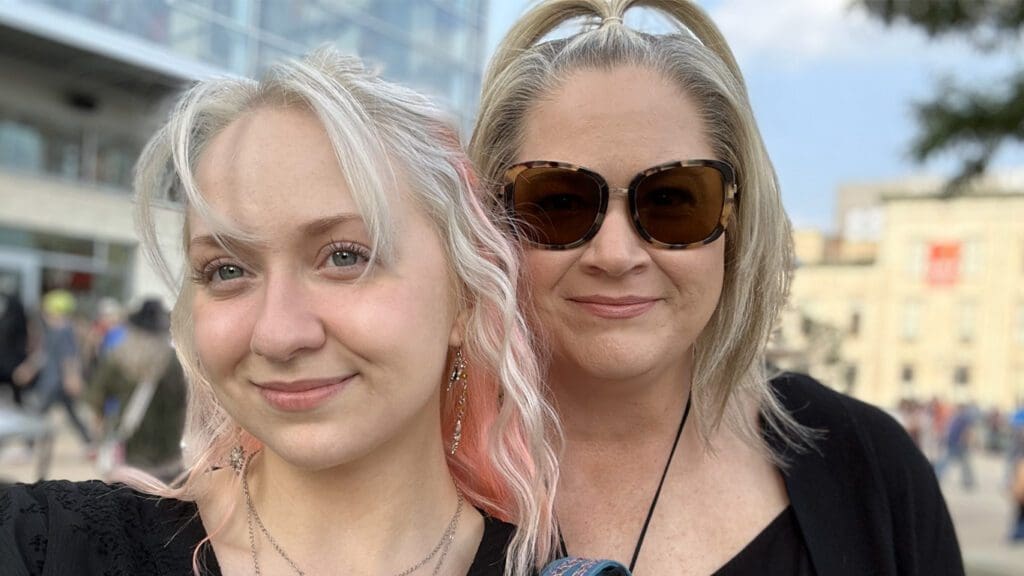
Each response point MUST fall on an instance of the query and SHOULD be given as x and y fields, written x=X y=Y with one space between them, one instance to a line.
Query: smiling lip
x=300 y=395
x=615 y=308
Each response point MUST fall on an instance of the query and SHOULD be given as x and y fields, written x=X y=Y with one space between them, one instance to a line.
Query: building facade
x=925 y=300
x=85 y=82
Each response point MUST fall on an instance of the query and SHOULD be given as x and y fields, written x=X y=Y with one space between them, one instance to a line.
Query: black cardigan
x=866 y=499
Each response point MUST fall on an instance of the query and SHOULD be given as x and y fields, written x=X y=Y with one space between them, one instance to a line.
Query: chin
x=313 y=451
x=609 y=366
x=316 y=459
x=625 y=359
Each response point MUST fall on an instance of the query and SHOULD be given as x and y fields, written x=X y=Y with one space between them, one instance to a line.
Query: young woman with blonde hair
x=361 y=397
x=658 y=256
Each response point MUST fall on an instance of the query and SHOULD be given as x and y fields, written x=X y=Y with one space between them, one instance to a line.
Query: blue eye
x=229 y=272
x=344 y=258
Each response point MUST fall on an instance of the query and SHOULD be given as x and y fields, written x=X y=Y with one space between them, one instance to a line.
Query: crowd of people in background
x=113 y=372
x=951 y=434
x=122 y=389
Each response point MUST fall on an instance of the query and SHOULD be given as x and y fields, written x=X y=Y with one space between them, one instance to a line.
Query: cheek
x=221 y=334
x=396 y=322
x=544 y=269
x=697 y=274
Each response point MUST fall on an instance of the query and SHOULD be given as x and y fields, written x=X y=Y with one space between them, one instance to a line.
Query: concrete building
x=83 y=83
x=923 y=298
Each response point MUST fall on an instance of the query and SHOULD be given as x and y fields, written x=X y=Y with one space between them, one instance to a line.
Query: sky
x=832 y=90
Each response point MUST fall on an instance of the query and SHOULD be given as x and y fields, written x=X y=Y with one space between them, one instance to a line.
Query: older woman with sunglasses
x=658 y=256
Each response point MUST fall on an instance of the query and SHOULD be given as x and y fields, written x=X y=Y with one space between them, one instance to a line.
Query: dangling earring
x=458 y=377
x=237 y=458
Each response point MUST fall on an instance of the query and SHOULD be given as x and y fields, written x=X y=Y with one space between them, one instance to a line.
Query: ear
x=459 y=326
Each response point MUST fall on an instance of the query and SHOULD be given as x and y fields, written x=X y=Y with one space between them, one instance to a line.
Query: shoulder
x=490 y=556
x=841 y=418
x=864 y=459
x=38 y=505
x=91 y=527
x=853 y=432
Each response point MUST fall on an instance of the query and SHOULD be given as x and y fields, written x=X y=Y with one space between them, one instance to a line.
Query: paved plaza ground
x=982 y=515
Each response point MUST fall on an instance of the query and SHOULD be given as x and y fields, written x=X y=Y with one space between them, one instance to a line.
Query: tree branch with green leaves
x=973 y=123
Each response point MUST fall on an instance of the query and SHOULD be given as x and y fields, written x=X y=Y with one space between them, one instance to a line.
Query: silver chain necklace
x=443 y=545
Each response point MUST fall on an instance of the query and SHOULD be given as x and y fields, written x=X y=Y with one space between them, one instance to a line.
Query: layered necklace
x=252 y=517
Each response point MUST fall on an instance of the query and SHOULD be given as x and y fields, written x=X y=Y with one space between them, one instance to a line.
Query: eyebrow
x=317 y=227
x=322 y=225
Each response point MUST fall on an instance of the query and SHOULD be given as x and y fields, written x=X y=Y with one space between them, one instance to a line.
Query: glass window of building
x=967 y=321
x=850 y=378
x=907 y=373
x=1019 y=324
x=911 y=320
x=21 y=146
x=916 y=260
x=68 y=151
x=962 y=375
x=91 y=268
x=436 y=46
x=856 y=313
x=907 y=379
x=1019 y=380
x=973 y=261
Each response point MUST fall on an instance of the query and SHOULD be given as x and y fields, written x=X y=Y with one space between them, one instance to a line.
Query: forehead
x=270 y=168
x=617 y=121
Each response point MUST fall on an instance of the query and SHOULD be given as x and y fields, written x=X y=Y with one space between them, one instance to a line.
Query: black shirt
x=778 y=549
x=86 y=528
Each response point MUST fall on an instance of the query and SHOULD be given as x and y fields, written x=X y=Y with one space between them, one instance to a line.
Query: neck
x=379 y=514
x=596 y=410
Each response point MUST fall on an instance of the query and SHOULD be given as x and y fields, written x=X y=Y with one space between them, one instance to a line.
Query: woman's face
x=320 y=367
x=618 y=307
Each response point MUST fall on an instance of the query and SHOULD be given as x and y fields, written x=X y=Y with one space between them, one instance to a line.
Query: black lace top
x=92 y=528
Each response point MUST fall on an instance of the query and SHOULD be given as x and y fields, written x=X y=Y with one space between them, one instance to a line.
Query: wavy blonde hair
x=380 y=132
x=730 y=352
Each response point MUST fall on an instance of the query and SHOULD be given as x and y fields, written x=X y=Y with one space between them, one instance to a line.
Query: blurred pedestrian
x=939 y=413
x=995 y=431
x=958 y=440
x=104 y=334
x=1017 y=535
x=56 y=364
x=911 y=415
x=13 y=341
x=1016 y=472
x=139 y=388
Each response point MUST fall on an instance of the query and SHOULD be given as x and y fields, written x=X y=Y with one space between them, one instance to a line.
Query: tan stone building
x=919 y=295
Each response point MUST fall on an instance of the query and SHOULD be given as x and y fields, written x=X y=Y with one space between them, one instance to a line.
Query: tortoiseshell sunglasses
x=677 y=205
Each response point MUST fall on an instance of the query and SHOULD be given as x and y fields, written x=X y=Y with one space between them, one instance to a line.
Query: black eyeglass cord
x=657 y=493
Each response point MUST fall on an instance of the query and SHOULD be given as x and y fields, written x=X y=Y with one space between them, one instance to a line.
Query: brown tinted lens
x=681 y=205
x=555 y=206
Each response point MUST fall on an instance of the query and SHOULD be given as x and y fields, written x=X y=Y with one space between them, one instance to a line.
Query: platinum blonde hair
x=730 y=352
x=382 y=134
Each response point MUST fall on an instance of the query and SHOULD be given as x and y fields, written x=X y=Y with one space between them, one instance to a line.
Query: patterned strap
x=584 y=567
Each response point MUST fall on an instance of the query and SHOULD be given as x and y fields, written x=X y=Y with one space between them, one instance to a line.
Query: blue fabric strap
x=584 y=567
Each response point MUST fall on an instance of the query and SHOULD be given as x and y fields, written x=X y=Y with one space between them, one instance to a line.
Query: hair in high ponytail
x=730 y=353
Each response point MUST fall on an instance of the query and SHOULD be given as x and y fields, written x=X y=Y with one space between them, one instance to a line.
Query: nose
x=616 y=250
x=287 y=322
